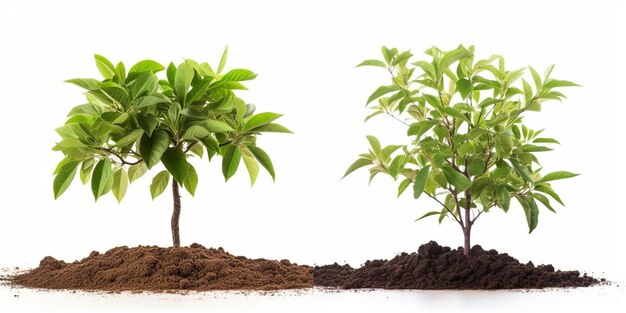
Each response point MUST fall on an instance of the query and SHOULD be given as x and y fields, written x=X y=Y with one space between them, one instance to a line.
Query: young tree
x=469 y=150
x=134 y=121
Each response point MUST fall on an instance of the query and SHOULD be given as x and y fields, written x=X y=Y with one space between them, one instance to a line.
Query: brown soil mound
x=161 y=269
x=437 y=267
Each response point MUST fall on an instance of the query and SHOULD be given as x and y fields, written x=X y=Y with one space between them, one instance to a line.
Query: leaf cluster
x=468 y=148
x=134 y=120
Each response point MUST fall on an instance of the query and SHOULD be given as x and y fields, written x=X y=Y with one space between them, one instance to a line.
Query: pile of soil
x=437 y=267
x=161 y=269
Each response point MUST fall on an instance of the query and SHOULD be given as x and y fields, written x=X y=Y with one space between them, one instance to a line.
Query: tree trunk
x=176 y=214
x=466 y=246
x=467 y=230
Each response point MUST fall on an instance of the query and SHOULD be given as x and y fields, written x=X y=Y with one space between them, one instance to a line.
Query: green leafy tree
x=469 y=150
x=133 y=121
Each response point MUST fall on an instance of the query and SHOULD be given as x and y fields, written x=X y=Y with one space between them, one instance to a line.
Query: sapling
x=468 y=148
x=134 y=121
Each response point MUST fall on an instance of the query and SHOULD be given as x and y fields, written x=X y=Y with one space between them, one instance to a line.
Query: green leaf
x=62 y=163
x=68 y=143
x=534 y=148
x=238 y=75
x=547 y=190
x=504 y=197
x=356 y=165
x=521 y=170
x=120 y=184
x=528 y=91
x=431 y=213
x=264 y=159
x=516 y=132
x=426 y=67
x=420 y=181
x=146 y=66
x=388 y=54
x=374 y=143
x=377 y=112
x=434 y=101
x=143 y=82
x=191 y=180
x=130 y=138
x=251 y=164
x=536 y=77
x=148 y=123
x=544 y=200
x=148 y=101
x=182 y=82
x=196 y=132
x=198 y=90
x=455 y=113
x=173 y=113
x=241 y=108
x=261 y=119
x=121 y=119
x=64 y=178
x=151 y=148
x=120 y=71
x=558 y=175
x=196 y=149
x=85 y=170
x=464 y=87
x=137 y=170
x=217 y=126
x=230 y=161
x=420 y=128
x=402 y=58
x=453 y=56
x=86 y=83
x=530 y=211
x=102 y=178
x=403 y=185
x=458 y=180
x=159 y=183
x=532 y=215
x=176 y=163
x=476 y=167
x=171 y=74
x=372 y=63
x=396 y=165
x=551 y=83
x=479 y=185
x=223 y=59
x=388 y=150
x=546 y=140
x=273 y=127
x=211 y=145
x=105 y=66
x=381 y=91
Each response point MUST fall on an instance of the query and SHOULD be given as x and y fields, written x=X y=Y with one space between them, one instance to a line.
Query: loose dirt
x=437 y=267
x=149 y=268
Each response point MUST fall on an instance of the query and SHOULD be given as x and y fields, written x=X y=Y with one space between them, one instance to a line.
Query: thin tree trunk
x=176 y=214
x=467 y=230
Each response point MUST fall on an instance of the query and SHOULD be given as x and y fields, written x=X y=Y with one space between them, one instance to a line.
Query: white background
x=305 y=53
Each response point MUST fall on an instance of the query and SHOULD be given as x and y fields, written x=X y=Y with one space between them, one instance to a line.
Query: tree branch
x=445 y=207
x=442 y=204
x=405 y=93
x=476 y=217
x=396 y=118
x=122 y=161
x=190 y=146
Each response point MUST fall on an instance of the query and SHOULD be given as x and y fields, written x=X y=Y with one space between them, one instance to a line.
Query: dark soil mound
x=437 y=267
x=160 y=269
